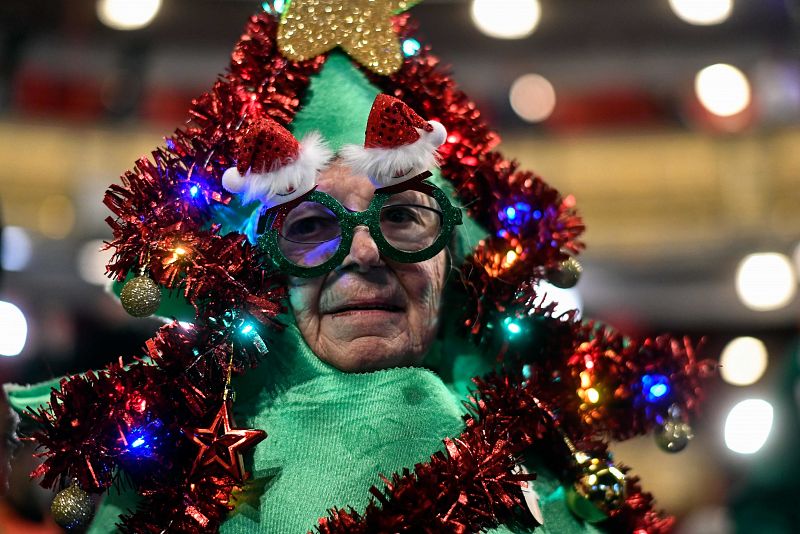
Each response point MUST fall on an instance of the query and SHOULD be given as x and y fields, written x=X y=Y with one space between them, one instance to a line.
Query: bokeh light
x=748 y=425
x=765 y=281
x=127 y=14
x=17 y=248
x=56 y=216
x=92 y=261
x=722 y=89
x=796 y=258
x=702 y=12
x=13 y=329
x=743 y=361
x=506 y=19
x=565 y=299
x=532 y=97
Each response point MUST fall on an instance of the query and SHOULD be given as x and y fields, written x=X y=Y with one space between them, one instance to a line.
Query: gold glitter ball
x=72 y=508
x=140 y=296
x=567 y=274
x=363 y=28
x=598 y=491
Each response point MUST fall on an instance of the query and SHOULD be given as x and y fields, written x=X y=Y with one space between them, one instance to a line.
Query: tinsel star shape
x=363 y=28
x=222 y=444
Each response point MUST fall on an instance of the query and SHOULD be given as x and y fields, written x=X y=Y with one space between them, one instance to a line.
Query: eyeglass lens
x=310 y=235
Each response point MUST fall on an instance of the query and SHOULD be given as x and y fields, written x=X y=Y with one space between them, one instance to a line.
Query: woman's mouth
x=365 y=306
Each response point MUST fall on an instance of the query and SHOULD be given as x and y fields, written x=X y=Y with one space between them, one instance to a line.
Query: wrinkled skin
x=343 y=315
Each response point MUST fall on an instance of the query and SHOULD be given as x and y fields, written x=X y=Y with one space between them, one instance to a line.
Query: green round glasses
x=410 y=223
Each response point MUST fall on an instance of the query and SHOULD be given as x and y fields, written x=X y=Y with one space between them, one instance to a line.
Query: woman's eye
x=400 y=214
x=305 y=226
x=310 y=228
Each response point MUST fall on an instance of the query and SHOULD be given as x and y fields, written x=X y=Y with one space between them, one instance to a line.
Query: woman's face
x=370 y=313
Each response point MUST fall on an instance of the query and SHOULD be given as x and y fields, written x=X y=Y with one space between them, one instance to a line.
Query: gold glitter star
x=363 y=28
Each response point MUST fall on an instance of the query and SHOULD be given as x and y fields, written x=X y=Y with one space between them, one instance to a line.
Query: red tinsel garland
x=160 y=227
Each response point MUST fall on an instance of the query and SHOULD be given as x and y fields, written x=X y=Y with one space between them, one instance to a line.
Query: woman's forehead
x=354 y=191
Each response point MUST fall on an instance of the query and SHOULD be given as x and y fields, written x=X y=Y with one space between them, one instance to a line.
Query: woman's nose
x=364 y=253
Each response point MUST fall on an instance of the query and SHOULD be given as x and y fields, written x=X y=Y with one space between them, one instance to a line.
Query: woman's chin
x=353 y=324
x=367 y=341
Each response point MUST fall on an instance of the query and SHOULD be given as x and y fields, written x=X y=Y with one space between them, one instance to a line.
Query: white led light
x=765 y=281
x=722 y=89
x=532 y=97
x=702 y=12
x=748 y=425
x=16 y=249
x=13 y=329
x=506 y=19
x=743 y=361
x=127 y=14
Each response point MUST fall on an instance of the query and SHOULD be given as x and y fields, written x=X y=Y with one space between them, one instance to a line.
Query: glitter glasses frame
x=349 y=220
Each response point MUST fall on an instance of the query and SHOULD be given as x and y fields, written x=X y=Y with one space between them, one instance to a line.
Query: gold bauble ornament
x=140 y=296
x=363 y=28
x=566 y=275
x=598 y=491
x=72 y=508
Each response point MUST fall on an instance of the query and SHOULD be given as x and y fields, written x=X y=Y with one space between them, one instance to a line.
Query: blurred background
x=674 y=123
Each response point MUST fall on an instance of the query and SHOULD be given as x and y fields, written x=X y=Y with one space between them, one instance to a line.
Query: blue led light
x=411 y=47
x=517 y=215
x=655 y=387
x=138 y=443
x=246 y=329
x=512 y=327
x=194 y=190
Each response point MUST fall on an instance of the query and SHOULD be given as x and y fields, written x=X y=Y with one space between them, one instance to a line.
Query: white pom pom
x=439 y=134
x=233 y=181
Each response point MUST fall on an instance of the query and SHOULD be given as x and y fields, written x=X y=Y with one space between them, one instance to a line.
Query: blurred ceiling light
x=16 y=250
x=702 y=12
x=506 y=19
x=765 y=281
x=722 y=89
x=796 y=258
x=743 y=361
x=56 y=216
x=532 y=97
x=748 y=425
x=13 y=329
x=92 y=261
x=127 y=14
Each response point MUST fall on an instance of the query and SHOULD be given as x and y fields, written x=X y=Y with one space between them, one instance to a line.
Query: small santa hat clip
x=272 y=166
x=399 y=143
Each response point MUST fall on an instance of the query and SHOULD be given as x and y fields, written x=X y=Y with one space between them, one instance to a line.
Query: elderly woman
x=323 y=182
x=354 y=387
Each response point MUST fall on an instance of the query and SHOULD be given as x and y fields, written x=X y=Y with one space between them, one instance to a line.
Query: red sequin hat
x=272 y=166
x=399 y=144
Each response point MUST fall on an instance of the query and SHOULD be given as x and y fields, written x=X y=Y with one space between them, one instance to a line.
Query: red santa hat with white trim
x=399 y=144
x=272 y=166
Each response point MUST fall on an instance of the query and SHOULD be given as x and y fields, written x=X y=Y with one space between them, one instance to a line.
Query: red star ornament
x=222 y=444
